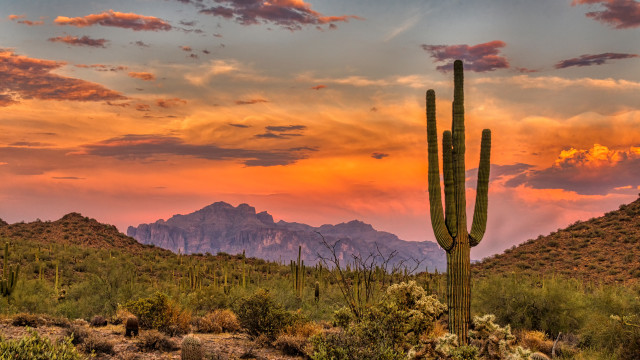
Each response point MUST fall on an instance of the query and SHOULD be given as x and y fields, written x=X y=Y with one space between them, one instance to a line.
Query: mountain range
x=221 y=227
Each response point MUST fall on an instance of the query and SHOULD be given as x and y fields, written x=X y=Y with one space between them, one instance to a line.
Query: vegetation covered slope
x=603 y=249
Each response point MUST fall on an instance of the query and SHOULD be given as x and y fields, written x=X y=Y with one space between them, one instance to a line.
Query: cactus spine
x=9 y=275
x=191 y=348
x=450 y=228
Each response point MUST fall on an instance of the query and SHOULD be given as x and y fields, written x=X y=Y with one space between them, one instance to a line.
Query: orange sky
x=314 y=112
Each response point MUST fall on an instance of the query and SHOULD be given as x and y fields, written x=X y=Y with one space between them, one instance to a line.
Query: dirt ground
x=216 y=346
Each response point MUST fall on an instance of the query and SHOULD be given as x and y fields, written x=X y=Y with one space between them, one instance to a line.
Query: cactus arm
x=482 y=191
x=459 y=147
x=449 y=189
x=437 y=217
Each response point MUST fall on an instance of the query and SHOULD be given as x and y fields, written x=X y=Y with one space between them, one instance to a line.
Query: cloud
x=203 y=73
x=146 y=76
x=83 y=41
x=167 y=103
x=29 y=144
x=595 y=171
x=102 y=67
x=281 y=132
x=588 y=60
x=240 y=125
x=318 y=87
x=143 y=107
x=67 y=178
x=186 y=48
x=141 y=44
x=131 y=21
x=21 y=20
x=6 y=100
x=136 y=147
x=250 y=102
x=479 y=58
x=621 y=14
x=286 y=128
x=379 y=156
x=288 y=14
x=22 y=77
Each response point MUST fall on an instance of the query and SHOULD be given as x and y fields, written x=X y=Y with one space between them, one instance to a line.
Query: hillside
x=71 y=229
x=221 y=227
x=603 y=249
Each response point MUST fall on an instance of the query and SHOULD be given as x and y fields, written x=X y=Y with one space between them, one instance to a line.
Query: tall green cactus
x=450 y=228
x=9 y=277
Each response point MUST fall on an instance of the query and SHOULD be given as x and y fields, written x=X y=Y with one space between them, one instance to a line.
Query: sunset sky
x=313 y=110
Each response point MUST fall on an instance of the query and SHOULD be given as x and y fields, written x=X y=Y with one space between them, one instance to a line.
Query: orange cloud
x=167 y=103
x=30 y=78
x=25 y=22
x=146 y=76
x=83 y=41
x=318 y=87
x=131 y=21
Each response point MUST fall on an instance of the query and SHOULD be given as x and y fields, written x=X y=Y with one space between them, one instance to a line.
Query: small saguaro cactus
x=450 y=228
x=191 y=348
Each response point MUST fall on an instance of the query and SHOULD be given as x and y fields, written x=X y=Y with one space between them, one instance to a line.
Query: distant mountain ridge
x=221 y=227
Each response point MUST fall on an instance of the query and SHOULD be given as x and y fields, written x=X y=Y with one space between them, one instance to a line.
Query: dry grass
x=219 y=321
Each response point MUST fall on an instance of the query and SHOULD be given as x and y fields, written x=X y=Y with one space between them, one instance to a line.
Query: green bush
x=261 y=315
x=35 y=347
x=158 y=312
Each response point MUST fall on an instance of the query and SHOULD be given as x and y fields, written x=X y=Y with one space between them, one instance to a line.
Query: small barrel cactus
x=538 y=356
x=191 y=348
x=131 y=327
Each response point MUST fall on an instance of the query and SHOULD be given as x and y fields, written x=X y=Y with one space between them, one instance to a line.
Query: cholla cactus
x=538 y=356
x=494 y=341
x=191 y=348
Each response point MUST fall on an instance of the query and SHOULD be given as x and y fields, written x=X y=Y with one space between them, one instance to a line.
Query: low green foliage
x=259 y=314
x=35 y=347
x=158 y=312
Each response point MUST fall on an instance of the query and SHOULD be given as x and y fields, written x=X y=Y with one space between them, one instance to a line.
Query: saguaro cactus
x=450 y=228
x=9 y=277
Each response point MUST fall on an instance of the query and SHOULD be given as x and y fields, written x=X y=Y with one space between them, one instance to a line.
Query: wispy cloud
x=131 y=21
x=168 y=103
x=588 y=60
x=30 y=78
x=281 y=131
x=621 y=14
x=406 y=25
x=250 y=101
x=318 y=87
x=102 y=67
x=21 y=20
x=145 y=146
x=80 y=41
x=288 y=14
x=379 y=156
x=479 y=58
x=146 y=76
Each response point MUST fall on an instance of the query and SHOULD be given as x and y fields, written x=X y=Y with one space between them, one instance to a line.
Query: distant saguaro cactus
x=9 y=277
x=450 y=228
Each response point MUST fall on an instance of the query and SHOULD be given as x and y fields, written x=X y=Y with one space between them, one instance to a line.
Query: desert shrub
x=554 y=306
x=121 y=316
x=25 y=319
x=294 y=340
x=261 y=315
x=618 y=336
x=219 y=321
x=97 y=344
x=389 y=329
x=35 y=347
x=77 y=333
x=98 y=321
x=536 y=341
x=157 y=312
x=153 y=340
